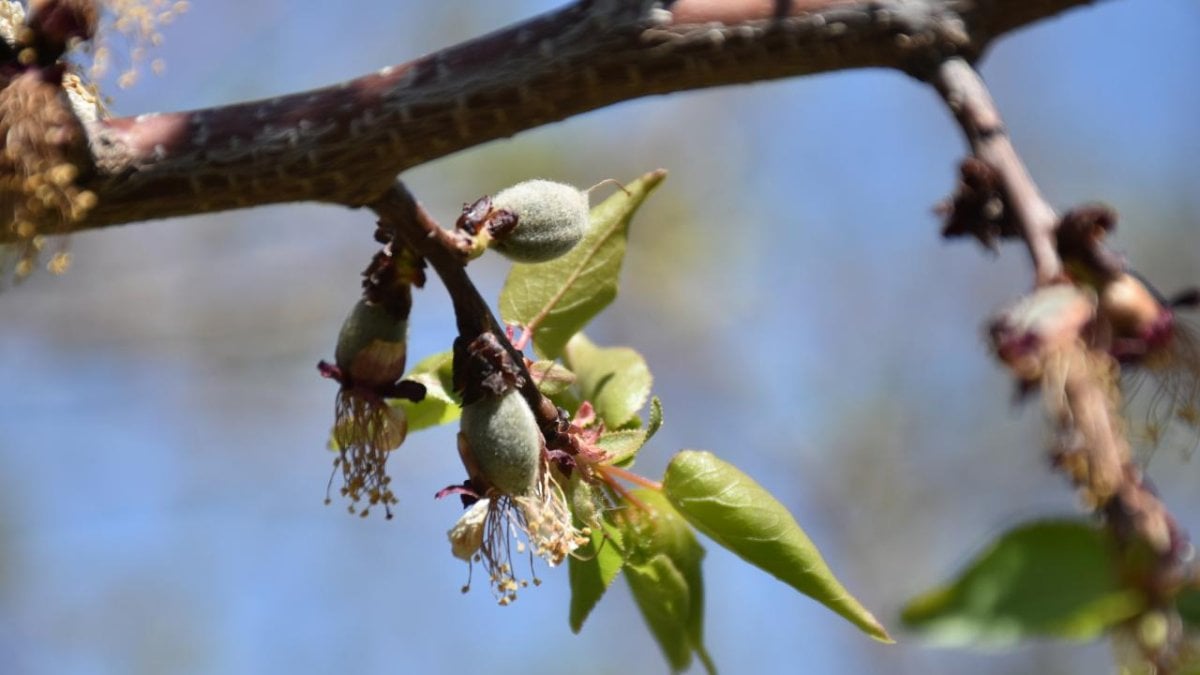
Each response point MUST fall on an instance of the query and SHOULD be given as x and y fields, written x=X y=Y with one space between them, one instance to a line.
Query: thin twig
x=968 y=99
x=398 y=209
x=1081 y=388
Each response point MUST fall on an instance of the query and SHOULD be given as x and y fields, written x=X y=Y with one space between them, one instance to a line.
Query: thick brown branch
x=346 y=143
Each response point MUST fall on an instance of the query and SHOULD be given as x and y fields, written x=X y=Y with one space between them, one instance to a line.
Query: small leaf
x=615 y=379
x=663 y=568
x=592 y=569
x=556 y=299
x=656 y=418
x=593 y=566
x=622 y=446
x=661 y=594
x=551 y=377
x=1187 y=603
x=737 y=513
x=1054 y=578
x=439 y=406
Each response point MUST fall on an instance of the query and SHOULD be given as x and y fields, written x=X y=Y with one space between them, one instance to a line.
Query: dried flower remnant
x=1030 y=334
x=138 y=23
x=503 y=452
x=1137 y=326
x=541 y=520
x=44 y=156
x=978 y=207
x=1159 y=354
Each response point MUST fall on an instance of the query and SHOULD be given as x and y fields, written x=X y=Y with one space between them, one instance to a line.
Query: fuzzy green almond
x=551 y=219
x=505 y=442
x=372 y=345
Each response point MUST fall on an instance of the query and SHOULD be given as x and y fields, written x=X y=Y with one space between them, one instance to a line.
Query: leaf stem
x=609 y=471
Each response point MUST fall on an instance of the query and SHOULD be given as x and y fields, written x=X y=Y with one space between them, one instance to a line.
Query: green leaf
x=622 y=446
x=439 y=406
x=737 y=513
x=1055 y=578
x=656 y=418
x=663 y=568
x=556 y=299
x=593 y=567
x=551 y=377
x=661 y=593
x=1187 y=603
x=615 y=379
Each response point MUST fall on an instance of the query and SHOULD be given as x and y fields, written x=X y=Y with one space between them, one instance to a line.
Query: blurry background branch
x=345 y=143
x=1071 y=363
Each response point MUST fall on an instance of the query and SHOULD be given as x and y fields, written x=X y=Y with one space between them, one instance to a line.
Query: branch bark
x=346 y=143
x=968 y=99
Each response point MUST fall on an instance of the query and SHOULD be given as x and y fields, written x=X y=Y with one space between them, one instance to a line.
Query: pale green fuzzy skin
x=505 y=441
x=372 y=326
x=551 y=219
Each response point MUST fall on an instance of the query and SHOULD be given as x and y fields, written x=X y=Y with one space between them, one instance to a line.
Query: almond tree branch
x=1080 y=380
x=346 y=143
x=399 y=210
x=968 y=98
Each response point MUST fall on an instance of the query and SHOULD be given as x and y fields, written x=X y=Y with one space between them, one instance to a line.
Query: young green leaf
x=661 y=593
x=592 y=569
x=615 y=379
x=663 y=569
x=439 y=406
x=556 y=299
x=1055 y=578
x=1187 y=603
x=737 y=513
x=551 y=377
x=622 y=446
x=656 y=418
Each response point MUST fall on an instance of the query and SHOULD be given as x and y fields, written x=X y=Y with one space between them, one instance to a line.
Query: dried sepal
x=56 y=24
x=978 y=207
x=365 y=431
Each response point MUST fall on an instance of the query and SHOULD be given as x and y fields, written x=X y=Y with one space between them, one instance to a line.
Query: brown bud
x=56 y=23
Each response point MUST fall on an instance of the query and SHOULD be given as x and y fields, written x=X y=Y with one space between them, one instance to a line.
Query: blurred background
x=163 y=426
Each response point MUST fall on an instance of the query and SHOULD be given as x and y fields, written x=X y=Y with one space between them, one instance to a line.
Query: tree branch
x=398 y=209
x=1078 y=375
x=346 y=143
x=968 y=98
